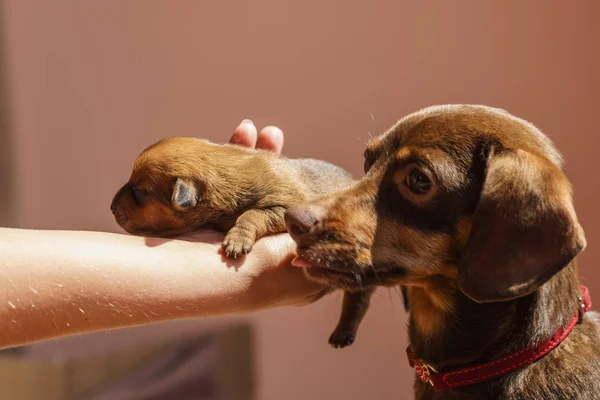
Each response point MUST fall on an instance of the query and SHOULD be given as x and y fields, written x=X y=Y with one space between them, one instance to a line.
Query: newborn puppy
x=180 y=185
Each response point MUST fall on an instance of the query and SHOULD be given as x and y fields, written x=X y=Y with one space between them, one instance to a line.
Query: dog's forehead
x=460 y=128
x=170 y=149
x=167 y=157
x=149 y=166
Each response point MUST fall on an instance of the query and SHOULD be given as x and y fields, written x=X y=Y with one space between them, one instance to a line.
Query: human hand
x=273 y=281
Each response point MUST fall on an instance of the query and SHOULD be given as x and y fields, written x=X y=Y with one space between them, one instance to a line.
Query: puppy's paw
x=341 y=338
x=238 y=242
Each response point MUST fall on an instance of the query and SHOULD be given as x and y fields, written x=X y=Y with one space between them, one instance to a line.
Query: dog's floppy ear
x=184 y=194
x=524 y=229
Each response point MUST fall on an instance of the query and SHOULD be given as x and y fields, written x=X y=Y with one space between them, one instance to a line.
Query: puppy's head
x=467 y=192
x=169 y=191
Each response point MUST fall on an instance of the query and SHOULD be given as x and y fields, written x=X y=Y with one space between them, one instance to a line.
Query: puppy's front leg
x=354 y=309
x=250 y=226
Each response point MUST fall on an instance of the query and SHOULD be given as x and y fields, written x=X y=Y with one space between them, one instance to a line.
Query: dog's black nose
x=300 y=221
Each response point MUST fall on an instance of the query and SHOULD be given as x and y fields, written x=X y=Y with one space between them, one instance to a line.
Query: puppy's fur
x=180 y=185
x=468 y=208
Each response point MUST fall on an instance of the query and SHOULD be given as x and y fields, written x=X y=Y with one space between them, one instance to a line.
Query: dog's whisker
x=398 y=293
x=391 y=300
x=375 y=273
x=374 y=124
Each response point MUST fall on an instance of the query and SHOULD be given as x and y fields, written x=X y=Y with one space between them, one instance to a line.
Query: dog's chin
x=354 y=280
x=334 y=279
x=346 y=272
x=163 y=234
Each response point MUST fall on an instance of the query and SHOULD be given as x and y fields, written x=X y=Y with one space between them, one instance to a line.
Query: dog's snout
x=120 y=215
x=301 y=220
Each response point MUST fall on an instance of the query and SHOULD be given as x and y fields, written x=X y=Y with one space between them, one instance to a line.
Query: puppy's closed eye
x=140 y=196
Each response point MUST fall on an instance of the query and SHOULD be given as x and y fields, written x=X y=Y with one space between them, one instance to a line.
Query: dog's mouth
x=345 y=272
x=121 y=218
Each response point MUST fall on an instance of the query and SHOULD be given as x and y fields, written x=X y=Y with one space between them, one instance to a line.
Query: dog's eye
x=140 y=196
x=418 y=182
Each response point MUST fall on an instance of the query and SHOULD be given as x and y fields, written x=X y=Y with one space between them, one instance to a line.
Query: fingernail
x=247 y=121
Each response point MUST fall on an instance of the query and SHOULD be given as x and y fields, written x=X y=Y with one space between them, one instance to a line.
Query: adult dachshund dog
x=467 y=208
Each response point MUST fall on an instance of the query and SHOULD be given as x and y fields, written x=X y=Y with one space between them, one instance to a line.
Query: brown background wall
x=94 y=82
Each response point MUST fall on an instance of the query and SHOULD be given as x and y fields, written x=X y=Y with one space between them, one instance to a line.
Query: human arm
x=59 y=283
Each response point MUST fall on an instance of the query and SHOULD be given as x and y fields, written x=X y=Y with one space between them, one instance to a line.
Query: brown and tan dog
x=468 y=208
x=180 y=185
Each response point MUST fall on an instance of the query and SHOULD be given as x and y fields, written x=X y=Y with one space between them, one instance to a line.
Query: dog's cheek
x=155 y=217
x=436 y=256
x=418 y=253
x=357 y=236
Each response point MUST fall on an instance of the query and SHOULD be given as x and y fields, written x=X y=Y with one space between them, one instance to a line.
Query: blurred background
x=87 y=85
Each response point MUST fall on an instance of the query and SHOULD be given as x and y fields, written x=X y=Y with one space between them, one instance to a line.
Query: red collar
x=452 y=379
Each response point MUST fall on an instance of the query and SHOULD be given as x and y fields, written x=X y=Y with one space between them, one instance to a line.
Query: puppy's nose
x=120 y=215
x=300 y=220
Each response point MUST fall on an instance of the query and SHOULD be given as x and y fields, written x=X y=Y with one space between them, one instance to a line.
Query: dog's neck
x=449 y=330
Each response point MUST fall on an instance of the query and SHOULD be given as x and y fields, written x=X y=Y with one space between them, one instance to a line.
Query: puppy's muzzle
x=120 y=216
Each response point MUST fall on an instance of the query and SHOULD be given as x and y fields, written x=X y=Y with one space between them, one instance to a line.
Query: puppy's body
x=467 y=207
x=180 y=185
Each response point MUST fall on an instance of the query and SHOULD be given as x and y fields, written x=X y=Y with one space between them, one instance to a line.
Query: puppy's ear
x=184 y=195
x=524 y=229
